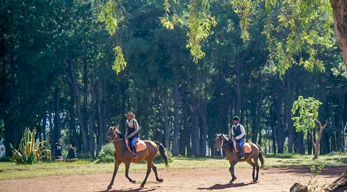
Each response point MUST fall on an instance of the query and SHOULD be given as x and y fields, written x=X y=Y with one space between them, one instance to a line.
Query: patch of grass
x=12 y=171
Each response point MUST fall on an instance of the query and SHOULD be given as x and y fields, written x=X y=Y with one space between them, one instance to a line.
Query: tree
x=340 y=25
x=308 y=120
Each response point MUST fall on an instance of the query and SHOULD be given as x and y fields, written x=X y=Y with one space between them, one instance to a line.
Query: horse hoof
x=109 y=187
x=231 y=181
x=133 y=181
x=160 y=180
x=142 y=186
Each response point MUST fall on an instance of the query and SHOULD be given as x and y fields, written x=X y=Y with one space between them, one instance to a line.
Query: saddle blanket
x=247 y=147
x=140 y=145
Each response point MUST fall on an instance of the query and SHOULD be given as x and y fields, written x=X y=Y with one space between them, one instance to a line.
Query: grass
x=11 y=171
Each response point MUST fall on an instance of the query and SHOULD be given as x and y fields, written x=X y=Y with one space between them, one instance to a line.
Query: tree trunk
x=204 y=126
x=57 y=126
x=340 y=25
x=175 y=143
x=91 y=121
x=51 y=133
x=185 y=131
x=99 y=100
x=238 y=86
x=166 y=124
x=71 y=76
x=255 y=124
x=11 y=130
x=319 y=130
x=279 y=130
x=196 y=136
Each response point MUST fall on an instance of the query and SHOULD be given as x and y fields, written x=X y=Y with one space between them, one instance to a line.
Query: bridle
x=221 y=145
x=115 y=136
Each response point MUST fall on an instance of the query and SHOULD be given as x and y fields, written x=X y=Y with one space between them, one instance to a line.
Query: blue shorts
x=240 y=142
x=132 y=141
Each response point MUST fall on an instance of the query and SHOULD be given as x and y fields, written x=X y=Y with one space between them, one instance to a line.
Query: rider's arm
x=232 y=131
x=136 y=126
x=242 y=132
x=126 y=128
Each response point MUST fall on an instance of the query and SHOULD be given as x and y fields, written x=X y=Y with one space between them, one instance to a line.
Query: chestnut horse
x=222 y=141
x=123 y=155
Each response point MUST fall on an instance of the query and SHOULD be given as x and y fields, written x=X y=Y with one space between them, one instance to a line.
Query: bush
x=279 y=155
x=106 y=154
x=159 y=159
x=30 y=150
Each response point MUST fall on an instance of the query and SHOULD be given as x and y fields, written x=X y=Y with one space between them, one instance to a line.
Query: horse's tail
x=261 y=156
x=162 y=152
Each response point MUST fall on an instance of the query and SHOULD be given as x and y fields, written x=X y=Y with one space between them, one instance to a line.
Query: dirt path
x=270 y=180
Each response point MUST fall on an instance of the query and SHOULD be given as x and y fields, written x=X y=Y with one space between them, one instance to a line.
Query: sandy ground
x=270 y=180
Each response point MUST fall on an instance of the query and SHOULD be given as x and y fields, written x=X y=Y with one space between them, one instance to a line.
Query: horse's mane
x=119 y=133
x=226 y=138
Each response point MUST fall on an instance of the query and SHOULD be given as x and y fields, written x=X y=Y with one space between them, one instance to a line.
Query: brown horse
x=123 y=155
x=222 y=141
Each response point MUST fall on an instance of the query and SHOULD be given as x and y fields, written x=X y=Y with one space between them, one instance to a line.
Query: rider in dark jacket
x=132 y=128
x=238 y=134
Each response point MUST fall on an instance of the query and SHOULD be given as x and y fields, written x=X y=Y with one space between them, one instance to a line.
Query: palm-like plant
x=29 y=149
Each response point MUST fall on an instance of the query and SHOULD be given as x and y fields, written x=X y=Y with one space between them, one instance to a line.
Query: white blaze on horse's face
x=111 y=134
x=218 y=143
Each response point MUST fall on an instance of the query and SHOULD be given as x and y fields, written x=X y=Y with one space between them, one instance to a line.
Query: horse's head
x=111 y=134
x=218 y=142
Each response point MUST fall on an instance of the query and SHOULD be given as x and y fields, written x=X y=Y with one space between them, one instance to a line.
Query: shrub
x=29 y=149
x=106 y=154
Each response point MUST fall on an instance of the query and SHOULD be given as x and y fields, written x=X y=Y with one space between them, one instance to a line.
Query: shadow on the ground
x=224 y=186
x=134 y=190
x=326 y=171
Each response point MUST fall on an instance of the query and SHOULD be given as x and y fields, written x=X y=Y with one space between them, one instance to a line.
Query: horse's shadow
x=134 y=190
x=224 y=186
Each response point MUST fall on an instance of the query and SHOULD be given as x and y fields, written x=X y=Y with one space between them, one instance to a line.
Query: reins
x=224 y=144
x=115 y=136
x=117 y=139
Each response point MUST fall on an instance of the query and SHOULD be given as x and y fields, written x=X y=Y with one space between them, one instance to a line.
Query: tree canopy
x=70 y=69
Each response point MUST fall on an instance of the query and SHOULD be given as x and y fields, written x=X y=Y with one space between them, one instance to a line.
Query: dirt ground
x=182 y=180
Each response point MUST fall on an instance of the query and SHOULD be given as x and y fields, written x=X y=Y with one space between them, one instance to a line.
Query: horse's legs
x=116 y=165
x=148 y=172
x=253 y=165
x=127 y=166
x=255 y=159
x=156 y=173
x=231 y=170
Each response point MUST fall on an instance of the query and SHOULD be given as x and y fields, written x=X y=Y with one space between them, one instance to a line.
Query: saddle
x=140 y=145
x=247 y=147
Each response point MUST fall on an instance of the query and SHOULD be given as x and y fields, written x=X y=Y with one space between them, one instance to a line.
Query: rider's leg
x=133 y=146
x=242 y=150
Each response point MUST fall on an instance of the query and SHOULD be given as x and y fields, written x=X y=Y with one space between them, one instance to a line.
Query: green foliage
x=199 y=25
x=243 y=9
x=110 y=15
x=313 y=184
x=308 y=113
x=106 y=154
x=296 y=31
x=119 y=63
x=30 y=150
x=340 y=70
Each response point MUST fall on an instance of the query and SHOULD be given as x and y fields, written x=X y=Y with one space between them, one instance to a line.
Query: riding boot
x=242 y=150
x=135 y=152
